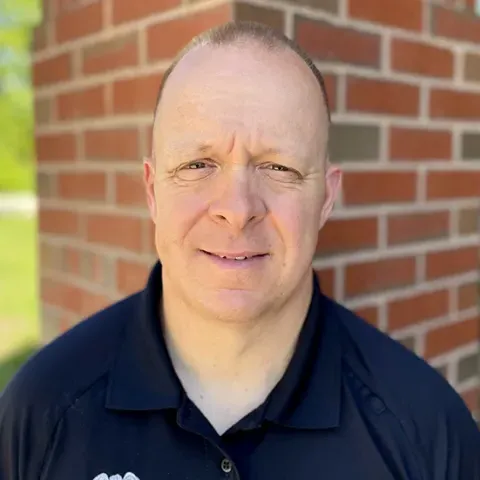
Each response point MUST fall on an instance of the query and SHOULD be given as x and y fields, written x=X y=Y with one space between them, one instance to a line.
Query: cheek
x=297 y=221
x=177 y=213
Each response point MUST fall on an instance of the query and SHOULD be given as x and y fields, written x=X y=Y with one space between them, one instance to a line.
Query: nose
x=238 y=202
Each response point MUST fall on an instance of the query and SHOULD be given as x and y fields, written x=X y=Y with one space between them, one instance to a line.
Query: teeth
x=240 y=258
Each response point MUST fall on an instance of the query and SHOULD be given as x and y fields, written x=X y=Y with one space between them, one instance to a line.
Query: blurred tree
x=17 y=21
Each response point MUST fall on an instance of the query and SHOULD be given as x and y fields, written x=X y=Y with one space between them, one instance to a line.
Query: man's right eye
x=196 y=170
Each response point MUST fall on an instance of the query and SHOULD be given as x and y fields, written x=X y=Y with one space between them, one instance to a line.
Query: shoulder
x=58 y=374
x=390 y=365
x=432 y=414
x=75 y=359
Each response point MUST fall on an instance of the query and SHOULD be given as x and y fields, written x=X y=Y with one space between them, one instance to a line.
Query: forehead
x=268 y=97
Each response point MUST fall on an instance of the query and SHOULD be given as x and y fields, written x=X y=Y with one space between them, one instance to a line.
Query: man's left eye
x=278 y=168
x=196 y=165
x=282 y=173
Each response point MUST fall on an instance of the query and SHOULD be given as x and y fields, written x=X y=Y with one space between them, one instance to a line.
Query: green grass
x=19 y=329
x=16 y=176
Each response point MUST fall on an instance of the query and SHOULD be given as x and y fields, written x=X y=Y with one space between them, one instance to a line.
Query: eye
x=195 y=170
x=195 y=165
x=279 y=168
x=281 y=172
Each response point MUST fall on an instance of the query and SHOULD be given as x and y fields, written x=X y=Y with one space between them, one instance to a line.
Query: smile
x=235 y=257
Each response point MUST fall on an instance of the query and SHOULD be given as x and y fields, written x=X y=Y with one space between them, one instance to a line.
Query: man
x=232 y=363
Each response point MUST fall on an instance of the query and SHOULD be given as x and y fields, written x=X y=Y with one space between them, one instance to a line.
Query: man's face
x=239 y=143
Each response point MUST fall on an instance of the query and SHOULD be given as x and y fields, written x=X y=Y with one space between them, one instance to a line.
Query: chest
x=154 y=447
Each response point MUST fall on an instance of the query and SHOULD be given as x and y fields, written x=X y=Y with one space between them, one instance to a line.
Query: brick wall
x=404 y=82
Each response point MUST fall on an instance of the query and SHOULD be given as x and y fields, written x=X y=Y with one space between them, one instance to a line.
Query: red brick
x=343 y=235
x=324 y=41
x=468 y=295
x=72 y=298
x=471 y=397
x=452 y=262
x=456 y=105
x=331 y=88
x=449 y=337
x=149 y=228
x=52 y=70
x=92 y=302
x=382 y=97
x=370 y=314
x=56 y=147
x=416 y=144
x=326 y=278
x=49 y=8
x=129 y=189
x=413 y=310
x=379 y=275
x=415 y=227
x=79 y=22
x=128 y=10
x=61 y=6
x=116 y=231
x=72 y=260
x=166 y=39
x=246 y=12
x=458 y=25
x=119 y=52
x=378 y=187
x=421 y=58
x=65 y=322
x=131 y=276
x=97 y=269
x=86 y=103
x=40 y=37
x=82 y=186
x=136 y=95
x=49 y=255
x=406 y=14
x=470 y=4
x=61 y=294
x=453 y=184
x=46 y=184
x=43 y=111
x=117 y=144
x=58 y=221
x=146 y=134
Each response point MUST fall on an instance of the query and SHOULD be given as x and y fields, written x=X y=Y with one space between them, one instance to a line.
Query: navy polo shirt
x=103 y=401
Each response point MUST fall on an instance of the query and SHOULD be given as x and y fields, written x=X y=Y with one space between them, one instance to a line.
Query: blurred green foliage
x=18 y=18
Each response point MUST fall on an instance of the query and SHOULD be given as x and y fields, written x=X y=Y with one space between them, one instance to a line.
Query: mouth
x=236 y=256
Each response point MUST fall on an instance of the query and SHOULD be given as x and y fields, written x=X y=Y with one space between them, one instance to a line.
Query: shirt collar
x=308 y=396
x=143 y=377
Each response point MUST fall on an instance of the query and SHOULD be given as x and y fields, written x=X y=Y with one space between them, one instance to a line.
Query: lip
x=229 y=263
x=233 y=255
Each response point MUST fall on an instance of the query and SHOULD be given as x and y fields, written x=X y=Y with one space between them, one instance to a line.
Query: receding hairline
x=234 y=33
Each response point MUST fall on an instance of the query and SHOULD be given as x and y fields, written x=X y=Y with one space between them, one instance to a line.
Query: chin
x=235 y=306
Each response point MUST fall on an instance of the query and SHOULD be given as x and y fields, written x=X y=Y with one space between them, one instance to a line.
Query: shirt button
x=226 y=465
x=377 y=405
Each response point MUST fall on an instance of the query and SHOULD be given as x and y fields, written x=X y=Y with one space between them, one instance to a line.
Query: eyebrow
x=189 y=147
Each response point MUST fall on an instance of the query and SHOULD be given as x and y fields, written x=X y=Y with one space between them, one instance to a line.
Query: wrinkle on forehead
x=271 y=96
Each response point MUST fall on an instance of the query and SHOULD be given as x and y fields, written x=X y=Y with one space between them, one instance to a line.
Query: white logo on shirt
x=127 y=476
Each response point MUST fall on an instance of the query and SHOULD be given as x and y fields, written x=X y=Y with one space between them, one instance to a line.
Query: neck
x=228 y=356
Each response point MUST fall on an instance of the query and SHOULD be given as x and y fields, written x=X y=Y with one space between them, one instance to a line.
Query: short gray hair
x=234 y=33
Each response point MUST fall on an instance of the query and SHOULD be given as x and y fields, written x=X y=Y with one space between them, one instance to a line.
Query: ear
x=149 y=184
x=333 y=182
